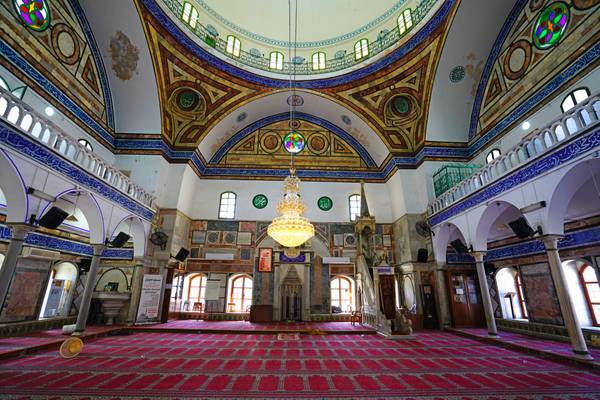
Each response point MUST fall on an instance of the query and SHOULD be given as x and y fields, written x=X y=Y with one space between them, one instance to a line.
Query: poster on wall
x=149 y=299
x=265 y=260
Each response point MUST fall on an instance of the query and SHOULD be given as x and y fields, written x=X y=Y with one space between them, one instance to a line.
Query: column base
x=583 y=355
x=495 y=335
x=77 y=333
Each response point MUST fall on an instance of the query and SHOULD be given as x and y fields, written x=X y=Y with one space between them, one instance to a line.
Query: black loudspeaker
x=120 y=240
x=84 y=265
x=422 y=255
x=489 y=268
x=521 y=228
x=53 y=218
x=182 y=254
x=459 y=246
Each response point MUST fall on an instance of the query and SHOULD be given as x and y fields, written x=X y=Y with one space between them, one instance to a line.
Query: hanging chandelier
x=291 y=229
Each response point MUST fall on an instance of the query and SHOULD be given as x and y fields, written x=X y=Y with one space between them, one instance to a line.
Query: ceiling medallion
x=295 y=100
x=35 y=14
x=457 y=74
x=551 y=25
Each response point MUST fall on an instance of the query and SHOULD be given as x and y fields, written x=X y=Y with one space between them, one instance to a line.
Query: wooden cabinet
x=261 y=313
x=465 y=299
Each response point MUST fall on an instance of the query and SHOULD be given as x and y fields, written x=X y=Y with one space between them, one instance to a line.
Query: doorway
x=465 y=299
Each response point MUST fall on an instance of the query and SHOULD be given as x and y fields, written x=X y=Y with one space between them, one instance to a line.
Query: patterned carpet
x=246 y=365
x=233 y=326
x=551 y=347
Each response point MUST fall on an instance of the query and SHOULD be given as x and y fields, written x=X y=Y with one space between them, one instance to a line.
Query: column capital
x=478 y=255
x=20 y=230
x=551 y=241
x=98 y=249
x=440 y=266
x=142 y=261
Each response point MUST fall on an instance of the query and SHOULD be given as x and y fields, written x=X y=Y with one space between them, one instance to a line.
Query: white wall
x=203 y=202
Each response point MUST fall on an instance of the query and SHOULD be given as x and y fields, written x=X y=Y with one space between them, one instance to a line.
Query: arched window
x=592 y=291
x=276 y=60
x=575 y=97
x=189 y=15
x=233 y=46
x=341 y=295
x=227 y=205
x=510 y=293
x=354 y=202
x=240 y=295
x=405 y=21
x=492 y=155
x=361 y=49
x=197 y=292
x=86 y=144
x=1 y=260
x=318 y=61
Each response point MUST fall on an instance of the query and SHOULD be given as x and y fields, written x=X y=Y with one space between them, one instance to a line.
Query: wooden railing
x=28 y=121
x=540 y=142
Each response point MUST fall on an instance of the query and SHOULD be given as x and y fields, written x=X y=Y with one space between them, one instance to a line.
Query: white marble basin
x=112 y=302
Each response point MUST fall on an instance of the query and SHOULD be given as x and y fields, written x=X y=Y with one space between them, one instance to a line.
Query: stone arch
x=14 y=189
x=585 y=174
x=496 y=212
x=447 y=232
x=133 y=226
x=89 y=207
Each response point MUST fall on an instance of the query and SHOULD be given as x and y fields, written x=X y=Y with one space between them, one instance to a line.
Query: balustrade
x=34 y=125
x=540 y=142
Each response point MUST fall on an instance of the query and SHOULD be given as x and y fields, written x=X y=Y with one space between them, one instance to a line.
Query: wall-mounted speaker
x=422 y=255
x=489 y=268
x=521 y=228
x=53 y=218
x=84 y=265
x=120 y=240
x=182 y=254
x=459 y=246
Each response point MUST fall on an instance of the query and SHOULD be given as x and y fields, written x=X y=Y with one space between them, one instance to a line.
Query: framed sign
x=265 y=260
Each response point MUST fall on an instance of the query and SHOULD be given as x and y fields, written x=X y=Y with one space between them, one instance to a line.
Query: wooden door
x=465 y=299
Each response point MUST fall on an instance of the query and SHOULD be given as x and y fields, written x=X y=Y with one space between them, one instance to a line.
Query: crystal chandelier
x=291 y=229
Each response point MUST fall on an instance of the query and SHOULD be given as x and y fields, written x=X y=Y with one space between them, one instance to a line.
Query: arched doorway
x=60 y=289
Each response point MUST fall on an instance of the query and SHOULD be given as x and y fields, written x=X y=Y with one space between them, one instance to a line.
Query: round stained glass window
x=260 y=201
x=551 y=25
x=35 y=14
x=325 y=203
x=294 y=142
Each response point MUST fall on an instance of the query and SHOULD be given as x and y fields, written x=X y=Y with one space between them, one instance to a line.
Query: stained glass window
x=294 y=142
x=551 y=25
x=35 y=14
x=361 y=49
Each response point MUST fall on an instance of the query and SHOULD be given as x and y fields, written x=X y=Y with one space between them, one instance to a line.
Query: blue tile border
x=29 y=148
x=235 y=139
x=579 y=238
x=562 y=155
x=44 y=241
x=18 y=61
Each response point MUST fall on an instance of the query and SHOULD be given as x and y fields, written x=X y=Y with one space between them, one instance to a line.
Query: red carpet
x=247 y=365
x=182 y=325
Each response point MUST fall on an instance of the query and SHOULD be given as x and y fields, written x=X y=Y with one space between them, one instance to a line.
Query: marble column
x=137 y=281
x=485 y=294
x=441 y=289
x=88 y=291
x=578 y=344
x=9 y=266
